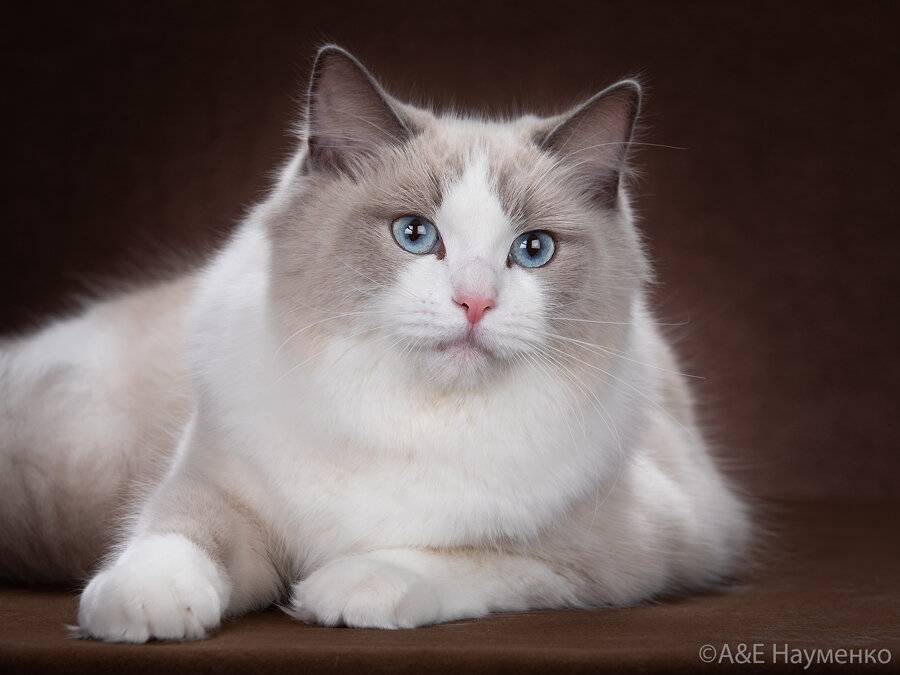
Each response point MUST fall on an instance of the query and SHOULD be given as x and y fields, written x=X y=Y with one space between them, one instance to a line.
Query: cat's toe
x=163 y=588
x=361 y=592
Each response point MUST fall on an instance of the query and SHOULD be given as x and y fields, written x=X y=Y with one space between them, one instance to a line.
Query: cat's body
x=407 y=436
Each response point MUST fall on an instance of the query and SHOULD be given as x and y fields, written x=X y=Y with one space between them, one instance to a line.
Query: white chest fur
x=358 y=457
x=356 y=468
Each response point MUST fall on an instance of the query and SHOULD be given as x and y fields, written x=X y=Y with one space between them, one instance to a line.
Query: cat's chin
x=460 y=362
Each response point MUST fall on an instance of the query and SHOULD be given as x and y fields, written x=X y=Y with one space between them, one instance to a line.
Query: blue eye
x=416 y=235
x=532 y=249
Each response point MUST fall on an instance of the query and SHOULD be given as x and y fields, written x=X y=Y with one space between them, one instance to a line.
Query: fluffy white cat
x=420 y=383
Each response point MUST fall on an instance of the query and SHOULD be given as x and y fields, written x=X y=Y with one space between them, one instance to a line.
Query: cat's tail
x=89 y=406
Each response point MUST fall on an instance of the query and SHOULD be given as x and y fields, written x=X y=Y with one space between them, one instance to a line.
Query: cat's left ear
x=593 y=139
x=349 y=117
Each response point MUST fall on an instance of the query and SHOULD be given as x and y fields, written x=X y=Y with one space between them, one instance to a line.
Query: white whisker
x=609 y=351
x=650 y=400
x=297 y=332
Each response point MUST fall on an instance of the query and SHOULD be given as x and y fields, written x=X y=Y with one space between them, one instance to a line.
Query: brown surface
x=830 y=582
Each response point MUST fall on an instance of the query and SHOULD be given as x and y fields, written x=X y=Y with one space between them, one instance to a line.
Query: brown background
x=132 y=131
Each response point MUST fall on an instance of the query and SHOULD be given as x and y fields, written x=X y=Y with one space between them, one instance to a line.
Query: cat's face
x=470 y=247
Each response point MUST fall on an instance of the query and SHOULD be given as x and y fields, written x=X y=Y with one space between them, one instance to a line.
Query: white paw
x=365 y=592
x=161 y=587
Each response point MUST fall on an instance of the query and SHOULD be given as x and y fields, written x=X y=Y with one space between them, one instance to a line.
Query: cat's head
x=471 y=246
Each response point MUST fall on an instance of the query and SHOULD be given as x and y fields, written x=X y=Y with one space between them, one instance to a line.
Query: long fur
x=316 y=422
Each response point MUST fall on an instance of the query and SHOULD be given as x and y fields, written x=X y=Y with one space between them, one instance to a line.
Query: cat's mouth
x=466 y=344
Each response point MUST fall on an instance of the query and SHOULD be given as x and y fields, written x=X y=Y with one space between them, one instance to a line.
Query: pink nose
x=475 y=306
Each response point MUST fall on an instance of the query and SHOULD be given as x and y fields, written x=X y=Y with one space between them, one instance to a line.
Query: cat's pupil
x=533 y=245
x=414 y=230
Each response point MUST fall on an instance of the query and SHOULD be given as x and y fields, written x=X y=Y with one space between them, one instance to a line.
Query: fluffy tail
x=90 y=407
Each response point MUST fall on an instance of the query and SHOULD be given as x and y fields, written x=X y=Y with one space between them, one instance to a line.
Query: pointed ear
x=349 y=117
x=593 y=139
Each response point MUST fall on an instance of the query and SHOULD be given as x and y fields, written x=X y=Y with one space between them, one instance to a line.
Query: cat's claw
x=163 y=587
x=362 y=592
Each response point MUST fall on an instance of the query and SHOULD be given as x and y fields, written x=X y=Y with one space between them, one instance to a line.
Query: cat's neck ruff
x=535 y=439
x=510 y=457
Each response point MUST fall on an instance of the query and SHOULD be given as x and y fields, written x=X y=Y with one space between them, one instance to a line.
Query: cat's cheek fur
x=163 y=586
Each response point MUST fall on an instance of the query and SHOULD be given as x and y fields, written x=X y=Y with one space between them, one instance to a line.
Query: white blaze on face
x=424 y=307
x=476 y=232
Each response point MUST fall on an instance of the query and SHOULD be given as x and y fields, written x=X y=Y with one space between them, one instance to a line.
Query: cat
x=420 y=383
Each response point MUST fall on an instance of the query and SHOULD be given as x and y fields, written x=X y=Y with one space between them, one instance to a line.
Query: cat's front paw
x=163 y=587
x=366 y=592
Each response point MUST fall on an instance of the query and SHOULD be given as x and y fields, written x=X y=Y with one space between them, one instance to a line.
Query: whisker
x=315 y=323
x=594 y=348
x=384 y=131
x=322 y=351
x=592 y=396
x=627 y=384
x=620 y=453
x=536 y=362
x=614 y=323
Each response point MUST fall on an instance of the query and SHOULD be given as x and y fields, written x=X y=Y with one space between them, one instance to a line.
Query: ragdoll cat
x=420 y=383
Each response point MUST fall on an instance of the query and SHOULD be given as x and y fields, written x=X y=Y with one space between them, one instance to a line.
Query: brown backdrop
x=135 y=130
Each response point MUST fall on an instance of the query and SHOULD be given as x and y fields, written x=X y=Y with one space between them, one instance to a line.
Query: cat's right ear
x=349 y=117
